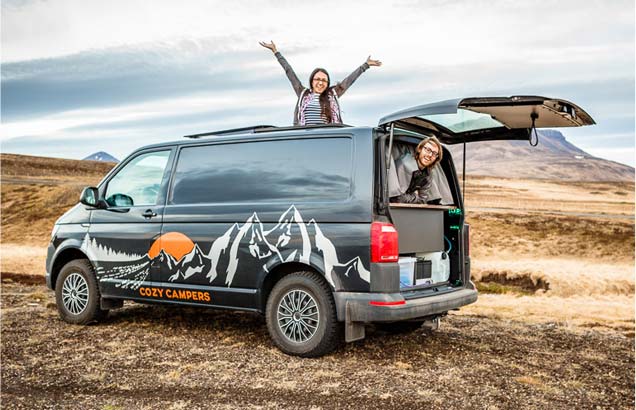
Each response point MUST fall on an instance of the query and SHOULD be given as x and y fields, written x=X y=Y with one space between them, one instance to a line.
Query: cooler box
x=425 y=269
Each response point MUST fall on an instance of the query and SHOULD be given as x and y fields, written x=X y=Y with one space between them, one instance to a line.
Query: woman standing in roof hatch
x=318 y=104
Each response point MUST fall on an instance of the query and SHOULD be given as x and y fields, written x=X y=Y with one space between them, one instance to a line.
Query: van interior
x=430 y=254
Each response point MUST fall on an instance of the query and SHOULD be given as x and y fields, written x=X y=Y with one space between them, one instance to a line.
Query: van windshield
x=463 y=120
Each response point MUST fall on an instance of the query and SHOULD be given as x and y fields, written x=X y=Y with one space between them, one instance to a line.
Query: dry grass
x=24 y=166
x=570 y=269
x=22 y=258
x=508 y=235
x=29 y=211
x=36 y=191
x=532 y=195
x=569 y=291
x=609 y=312
x=560 y=276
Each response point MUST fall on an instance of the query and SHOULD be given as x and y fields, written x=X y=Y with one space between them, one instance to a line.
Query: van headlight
x=56 y=228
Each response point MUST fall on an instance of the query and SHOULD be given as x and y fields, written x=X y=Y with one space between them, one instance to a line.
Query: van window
x=139 y=181
x=265 y=171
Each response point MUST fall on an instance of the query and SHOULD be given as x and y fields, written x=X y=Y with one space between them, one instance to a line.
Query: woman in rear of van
x=318 y=104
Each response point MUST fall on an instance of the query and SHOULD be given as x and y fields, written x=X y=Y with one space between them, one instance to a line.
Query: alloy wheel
x=75 y=293
x=298 y=316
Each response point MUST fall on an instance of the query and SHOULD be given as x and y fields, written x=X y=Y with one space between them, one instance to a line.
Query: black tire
x=306 y=288
x=397 y=328
x=77 y=294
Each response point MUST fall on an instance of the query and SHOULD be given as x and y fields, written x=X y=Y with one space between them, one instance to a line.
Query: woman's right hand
x=271 y=46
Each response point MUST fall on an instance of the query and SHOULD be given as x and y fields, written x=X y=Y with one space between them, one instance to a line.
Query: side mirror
x=120 y=200
x=90 y=197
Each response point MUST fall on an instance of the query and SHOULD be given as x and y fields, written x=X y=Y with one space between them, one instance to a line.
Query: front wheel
x=77 y=294
x=301 y=315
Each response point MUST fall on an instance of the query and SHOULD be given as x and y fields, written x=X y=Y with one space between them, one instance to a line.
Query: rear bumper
x=356 y=307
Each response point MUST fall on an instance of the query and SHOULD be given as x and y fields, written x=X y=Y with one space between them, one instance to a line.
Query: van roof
x=259 y=132
x=263 y=128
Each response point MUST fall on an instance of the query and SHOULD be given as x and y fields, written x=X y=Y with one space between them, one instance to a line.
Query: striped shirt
x=313 y=113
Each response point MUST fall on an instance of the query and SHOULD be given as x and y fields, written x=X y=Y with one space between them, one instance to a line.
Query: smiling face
x=428 y=154
x=319 y=82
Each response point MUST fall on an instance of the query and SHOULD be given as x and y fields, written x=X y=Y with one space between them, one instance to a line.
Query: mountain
x=291 y=240
x=553 y=158
x=193 y=262
x=290 y=231
x=163 y=258
x=101 y=156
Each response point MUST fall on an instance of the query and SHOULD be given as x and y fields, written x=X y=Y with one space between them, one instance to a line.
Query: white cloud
x=446 y=32
x=431 y=50
x=53 y=125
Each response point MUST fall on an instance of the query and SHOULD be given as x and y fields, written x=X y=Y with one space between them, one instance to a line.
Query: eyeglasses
x=430 y=152
x=321 y=80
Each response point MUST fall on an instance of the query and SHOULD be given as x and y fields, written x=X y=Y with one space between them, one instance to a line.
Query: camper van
x=296 y=223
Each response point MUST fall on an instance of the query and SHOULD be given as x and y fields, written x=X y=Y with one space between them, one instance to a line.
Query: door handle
x=149 y=214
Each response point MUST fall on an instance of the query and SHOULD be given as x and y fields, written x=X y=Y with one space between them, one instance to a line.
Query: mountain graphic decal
x=290 y=240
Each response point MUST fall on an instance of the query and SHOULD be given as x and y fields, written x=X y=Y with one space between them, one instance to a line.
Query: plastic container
x=407 y=269
x=440 y=265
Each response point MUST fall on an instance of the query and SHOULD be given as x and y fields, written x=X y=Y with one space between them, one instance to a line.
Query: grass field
x=553 y=251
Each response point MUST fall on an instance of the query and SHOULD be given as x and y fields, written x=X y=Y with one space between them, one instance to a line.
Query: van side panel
x=236 y=243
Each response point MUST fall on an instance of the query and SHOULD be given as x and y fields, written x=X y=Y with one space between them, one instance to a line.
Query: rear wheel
x=77 y=294
x=301 y=315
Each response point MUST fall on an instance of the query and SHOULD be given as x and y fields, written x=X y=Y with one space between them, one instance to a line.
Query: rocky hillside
x=553 y=158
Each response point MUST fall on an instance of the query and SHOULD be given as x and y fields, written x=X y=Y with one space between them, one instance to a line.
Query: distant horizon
x=69 y=79
x=119 y=159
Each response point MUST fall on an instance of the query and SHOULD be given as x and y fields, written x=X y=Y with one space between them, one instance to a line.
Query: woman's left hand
x=373 y=63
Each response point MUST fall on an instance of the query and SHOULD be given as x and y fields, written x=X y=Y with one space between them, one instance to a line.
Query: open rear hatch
x=488 y=118
x=433 y=238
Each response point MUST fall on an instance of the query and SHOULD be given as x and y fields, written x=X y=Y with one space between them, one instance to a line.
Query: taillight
x=385 y=303
x=384 y=242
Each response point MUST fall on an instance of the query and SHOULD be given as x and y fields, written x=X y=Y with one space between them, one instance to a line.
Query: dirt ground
x=155 y=357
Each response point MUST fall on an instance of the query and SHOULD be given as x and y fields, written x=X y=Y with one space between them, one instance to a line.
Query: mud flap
x=353 y=330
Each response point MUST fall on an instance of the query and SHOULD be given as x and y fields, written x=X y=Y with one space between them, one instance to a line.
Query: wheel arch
x=279 y=272
x=63 y=257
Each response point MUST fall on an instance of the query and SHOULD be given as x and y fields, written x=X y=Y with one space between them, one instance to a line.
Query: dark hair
x=325 y=108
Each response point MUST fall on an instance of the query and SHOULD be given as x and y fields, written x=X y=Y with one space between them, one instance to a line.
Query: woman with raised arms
x=318 y=104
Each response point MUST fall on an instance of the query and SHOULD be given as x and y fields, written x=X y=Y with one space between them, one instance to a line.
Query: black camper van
x=294 y=223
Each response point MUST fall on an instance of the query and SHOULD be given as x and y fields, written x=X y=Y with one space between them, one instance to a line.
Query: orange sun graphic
x=173 y=243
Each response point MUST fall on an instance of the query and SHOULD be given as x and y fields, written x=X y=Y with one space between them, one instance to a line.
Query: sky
x=81 y=76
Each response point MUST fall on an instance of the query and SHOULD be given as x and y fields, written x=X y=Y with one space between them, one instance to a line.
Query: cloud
x=126 y=75
x=84 y=69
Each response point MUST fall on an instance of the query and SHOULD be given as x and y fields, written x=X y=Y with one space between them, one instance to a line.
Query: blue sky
x=86 y=76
